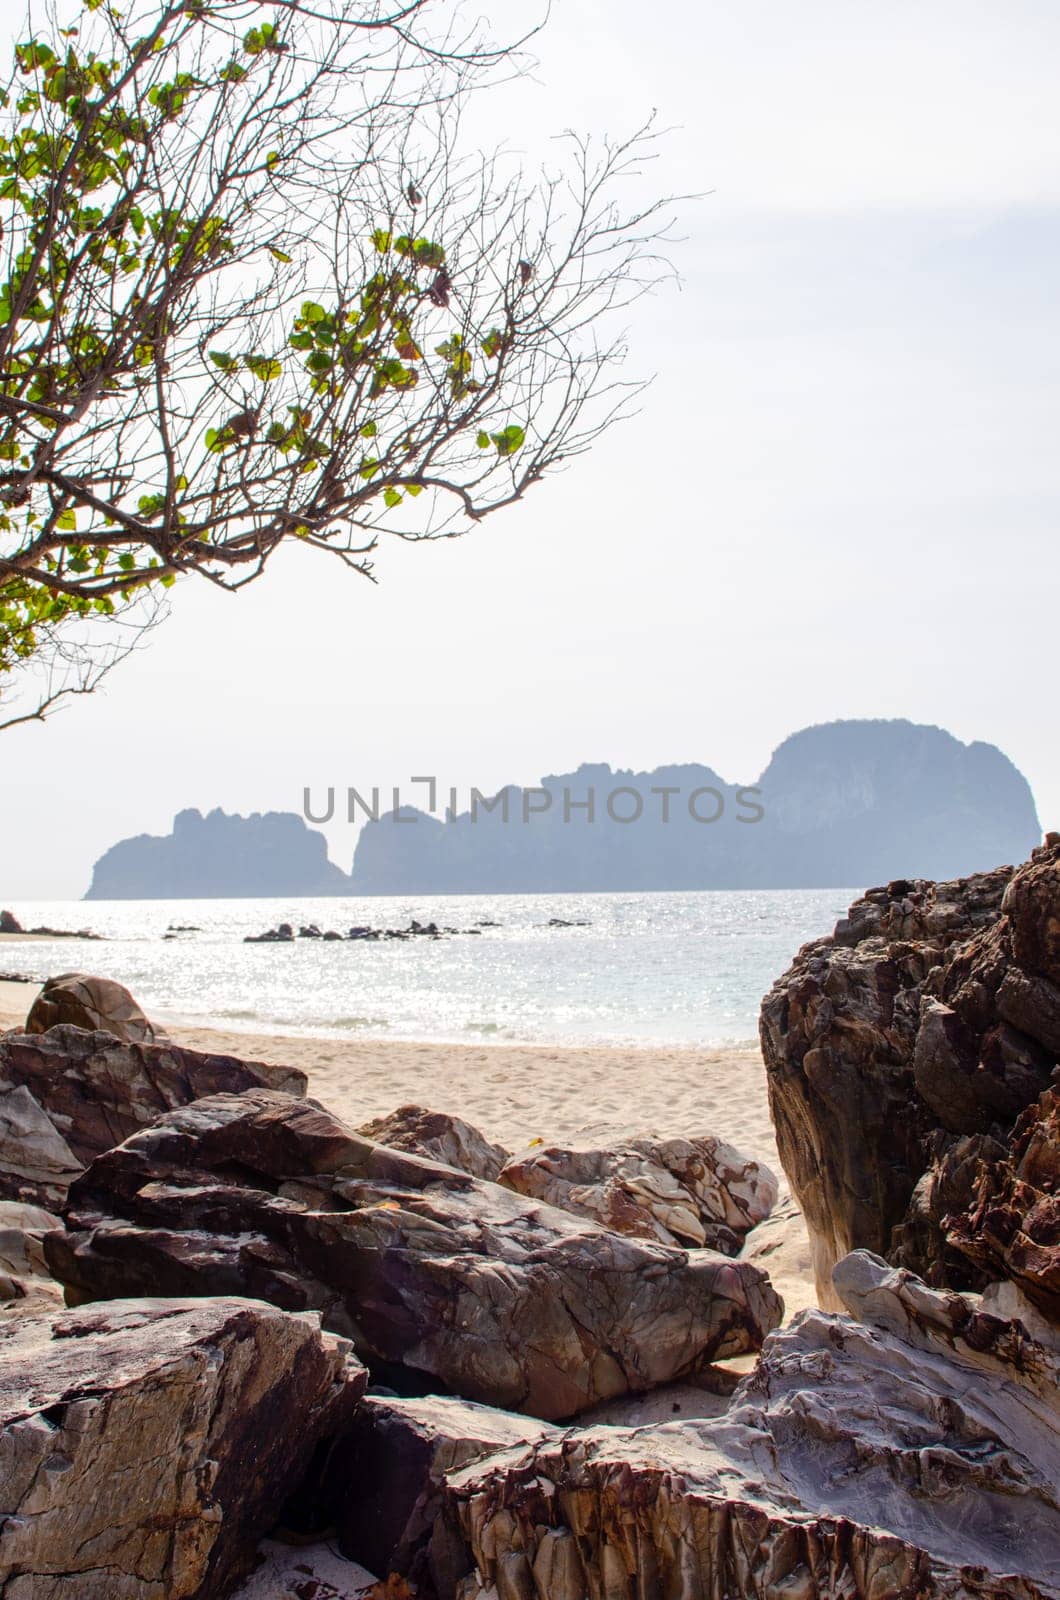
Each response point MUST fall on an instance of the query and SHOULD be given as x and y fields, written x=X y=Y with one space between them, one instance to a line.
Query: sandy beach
x=521 y=1093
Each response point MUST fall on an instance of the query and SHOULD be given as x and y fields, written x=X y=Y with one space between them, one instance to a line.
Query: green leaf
x=414 y=489
x=281 y=255
x=483 y=440
x=267 y=368
x=311 y=312
x=66 y=521
x=226 y=362
x=381 y=239
x=509 y=439
x=369 y=430
x=391 y=497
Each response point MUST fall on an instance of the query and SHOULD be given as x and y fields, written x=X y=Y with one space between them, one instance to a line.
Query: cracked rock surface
x=99 y=1005
x=910 y=1058
x=146 y=1446
x=439 y=1137
x=906 y=1456
x=694 y=1192
x=67 y=1095
x=430 y=1272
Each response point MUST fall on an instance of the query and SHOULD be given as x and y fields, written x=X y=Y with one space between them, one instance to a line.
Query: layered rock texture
x=67 y=1095
x=439 y=1137
x=146 y=1446
x=912 y=1076
x=695 y=1192
x=910 y=1454
x=389 y=1476
x=97 y=1004
x=430 y=1271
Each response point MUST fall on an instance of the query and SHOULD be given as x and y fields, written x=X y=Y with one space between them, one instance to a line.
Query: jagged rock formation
x=67 y=1095
x=223 y=856
x=430 y=1271
x=914 y=1453
x=843 y=804
x=439 y=1137
x=692 y=1192
x=389 y=1474
x=146 y=1446
x=97 y=1004
x=901 y=1053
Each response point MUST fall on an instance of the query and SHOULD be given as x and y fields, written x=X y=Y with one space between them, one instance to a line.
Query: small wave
x=358 y=1022
x=482 y=1027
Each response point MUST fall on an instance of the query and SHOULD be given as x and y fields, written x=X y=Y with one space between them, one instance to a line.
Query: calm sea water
x=677 y=969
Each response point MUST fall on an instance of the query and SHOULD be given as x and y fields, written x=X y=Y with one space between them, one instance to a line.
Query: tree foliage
x=252 y=292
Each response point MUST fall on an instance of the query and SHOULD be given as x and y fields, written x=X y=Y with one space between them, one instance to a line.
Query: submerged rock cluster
x=382 y=1343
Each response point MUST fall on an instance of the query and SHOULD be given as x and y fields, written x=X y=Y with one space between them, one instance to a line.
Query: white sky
x=840 y=499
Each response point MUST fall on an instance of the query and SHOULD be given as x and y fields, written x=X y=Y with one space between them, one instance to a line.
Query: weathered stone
x=1010 y=1226
x=698 y=1192
x=67 y=1095
x=24 y=1275
x=439 y=1137
x=147 y=1446
x=430 y=1271
x=915 y=1456
x=37 y=1165
x=97 y=1004
x=929 y=1018
x=390 y=1470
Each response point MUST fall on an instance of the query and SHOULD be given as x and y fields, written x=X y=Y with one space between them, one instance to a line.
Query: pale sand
x=521 y=1093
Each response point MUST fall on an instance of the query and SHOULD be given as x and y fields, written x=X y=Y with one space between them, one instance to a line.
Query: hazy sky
x=840 y=499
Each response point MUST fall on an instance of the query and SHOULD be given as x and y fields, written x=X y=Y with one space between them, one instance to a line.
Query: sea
x=673 y=969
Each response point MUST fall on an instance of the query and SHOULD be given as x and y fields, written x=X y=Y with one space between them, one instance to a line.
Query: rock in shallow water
x=914 y=1456
x=146 y=1446
x=436 y=1276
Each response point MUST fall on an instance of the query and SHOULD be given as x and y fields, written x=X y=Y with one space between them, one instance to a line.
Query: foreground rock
x=67 y=1095
x=25 y=1282
x=914 y=1456
x=97 y=1004
x=431 y=1272
x=698 y=1192
x=439 y=1137
x=392 y=1467
x=901 y=1053
x=147 y=1446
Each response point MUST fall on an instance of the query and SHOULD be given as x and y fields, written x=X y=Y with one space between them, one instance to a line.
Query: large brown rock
x=430 y=1271
x=99 y=1005
x=698 y=1192
x=67 y=1095
x=146 y=1446
x=927 y=1020
x=911 y=1456
x=440 y=1137
x=390 y=1470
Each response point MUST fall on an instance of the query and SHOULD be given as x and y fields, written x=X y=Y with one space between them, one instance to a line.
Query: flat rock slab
x=147 y=1446
x=430 y=1272
x=915 y=1455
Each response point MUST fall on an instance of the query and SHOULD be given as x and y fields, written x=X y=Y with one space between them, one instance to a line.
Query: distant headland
x=844 y=804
